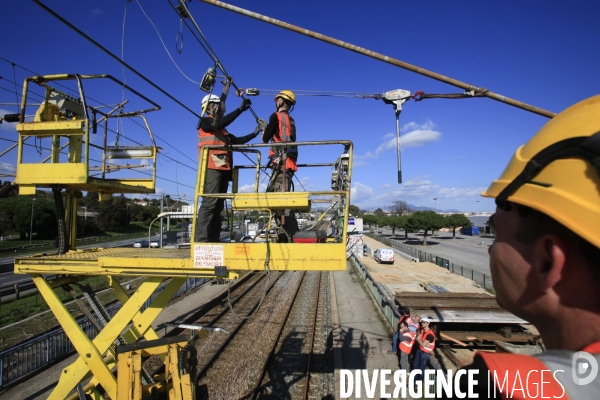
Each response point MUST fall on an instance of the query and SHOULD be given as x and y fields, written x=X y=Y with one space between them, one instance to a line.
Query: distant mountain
x=412 y=207
x=419 y=208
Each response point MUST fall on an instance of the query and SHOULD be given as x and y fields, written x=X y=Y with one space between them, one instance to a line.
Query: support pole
x=398 y=145
x=162 y=209
x=413 y=68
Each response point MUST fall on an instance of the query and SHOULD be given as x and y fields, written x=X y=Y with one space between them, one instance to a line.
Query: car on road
x=384 y=255
x=144 y=243
x=225 y=227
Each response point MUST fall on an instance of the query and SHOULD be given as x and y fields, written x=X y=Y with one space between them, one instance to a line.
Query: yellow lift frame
x=167 y=267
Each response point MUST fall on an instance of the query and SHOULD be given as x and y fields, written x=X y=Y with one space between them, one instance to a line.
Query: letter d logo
x=582 y=363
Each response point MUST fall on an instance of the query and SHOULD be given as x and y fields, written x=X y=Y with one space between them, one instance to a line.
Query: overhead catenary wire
x=313 y=93
x=150 y=82
x=163 y=44
x=184 y=12
x=390 y=60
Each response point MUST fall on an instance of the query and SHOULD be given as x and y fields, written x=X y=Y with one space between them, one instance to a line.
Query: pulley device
x=397 y=98
x=208 y=80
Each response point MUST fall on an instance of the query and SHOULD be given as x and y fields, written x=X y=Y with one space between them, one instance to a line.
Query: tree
x=379 y=213
x=16 y=216
x=456 y=221
x=399 y=207
x=396 y=222
x=369 y=219
x=427 y=220
x=90 y=200
x=112 y=215
x=354 y=210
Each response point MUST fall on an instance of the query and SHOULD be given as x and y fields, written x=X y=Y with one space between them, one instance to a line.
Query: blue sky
x=540 y=52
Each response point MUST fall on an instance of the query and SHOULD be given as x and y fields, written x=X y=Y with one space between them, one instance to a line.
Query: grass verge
x=34 y=305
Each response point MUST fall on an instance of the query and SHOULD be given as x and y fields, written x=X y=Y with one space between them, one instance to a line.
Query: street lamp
x=435 y=204
x=31 y=223
x=477 y=201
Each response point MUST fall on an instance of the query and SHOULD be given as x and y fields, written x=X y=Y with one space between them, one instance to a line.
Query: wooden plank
x=445 y=295
x=448 y=337
x=447 y=301
x=450 y=305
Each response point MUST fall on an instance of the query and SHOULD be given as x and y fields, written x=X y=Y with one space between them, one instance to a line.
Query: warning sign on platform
x=208 y=256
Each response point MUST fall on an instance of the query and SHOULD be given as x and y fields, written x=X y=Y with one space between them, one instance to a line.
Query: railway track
x=284 y=350
x=301 y=365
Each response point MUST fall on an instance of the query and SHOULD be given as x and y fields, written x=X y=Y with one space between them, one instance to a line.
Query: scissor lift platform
x=171 y=267
x=180 y=263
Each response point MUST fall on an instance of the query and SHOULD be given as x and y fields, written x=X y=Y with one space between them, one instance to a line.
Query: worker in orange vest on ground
x=405 y=317
x=211 y=131
x=406 y=340
x=545 y=260
x=425 y=338
x=282 y=129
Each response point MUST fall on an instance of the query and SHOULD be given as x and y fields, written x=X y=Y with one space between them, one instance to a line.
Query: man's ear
x=550 y=260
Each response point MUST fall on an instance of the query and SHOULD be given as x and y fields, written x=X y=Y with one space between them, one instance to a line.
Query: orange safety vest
x=404 y=346
x=431 y=345
x=285 y=135
x=217 y=159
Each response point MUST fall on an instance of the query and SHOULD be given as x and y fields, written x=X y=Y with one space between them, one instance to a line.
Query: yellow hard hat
x=287 y=95
x=558 y=171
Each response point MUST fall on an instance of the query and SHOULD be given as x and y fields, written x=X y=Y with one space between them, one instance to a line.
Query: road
x=10 y=278
x=468 y=251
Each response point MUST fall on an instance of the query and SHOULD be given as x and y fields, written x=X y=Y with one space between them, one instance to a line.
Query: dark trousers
x=395 y=341
x=420 y=363
x=208 y=224
x=290 y=225
x=403 y=361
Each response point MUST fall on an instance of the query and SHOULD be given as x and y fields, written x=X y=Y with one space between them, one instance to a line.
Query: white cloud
x=417 y=135
x=97 y=12
x=249 y=188
x=8 y=169
x=360 y=193
x=422 y=188
x=387 y=185
x=304 y=183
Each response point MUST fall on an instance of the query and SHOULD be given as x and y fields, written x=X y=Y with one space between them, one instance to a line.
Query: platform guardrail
x=37 y=353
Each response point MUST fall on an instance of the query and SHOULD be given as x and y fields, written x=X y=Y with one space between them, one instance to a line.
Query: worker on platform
x=425 y=338
x=211 y=131
x=545 y=259
x=282 y=129
x=406 y=341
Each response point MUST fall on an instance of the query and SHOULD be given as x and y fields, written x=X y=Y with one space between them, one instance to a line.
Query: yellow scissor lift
x=128 y=337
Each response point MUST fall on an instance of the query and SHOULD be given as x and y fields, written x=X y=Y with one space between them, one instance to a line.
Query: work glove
x=245 y=105
x=261 y=127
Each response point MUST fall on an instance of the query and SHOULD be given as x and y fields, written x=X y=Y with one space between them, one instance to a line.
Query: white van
x=384 y=255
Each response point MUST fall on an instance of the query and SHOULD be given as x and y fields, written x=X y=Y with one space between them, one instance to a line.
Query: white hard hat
x=210 y=98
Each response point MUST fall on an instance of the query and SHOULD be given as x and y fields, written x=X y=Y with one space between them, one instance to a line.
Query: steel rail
x=381 y=57
x=312 y=340
x=202 y=372
x=255 y=390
